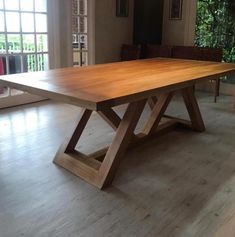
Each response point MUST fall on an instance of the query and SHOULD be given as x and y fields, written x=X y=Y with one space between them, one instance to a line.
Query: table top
x=107 y=85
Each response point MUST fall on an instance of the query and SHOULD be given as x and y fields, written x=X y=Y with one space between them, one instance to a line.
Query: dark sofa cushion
x=130 y=52
x=197 y=53
x=154 y=50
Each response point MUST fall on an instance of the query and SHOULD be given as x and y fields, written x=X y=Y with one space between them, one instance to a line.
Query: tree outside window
x=216 y=27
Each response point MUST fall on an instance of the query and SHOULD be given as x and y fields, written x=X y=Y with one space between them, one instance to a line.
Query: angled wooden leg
x=74 y=161
x=152 y=101
x=99 y=168
x=193 y=109
x=88 y=168
x=81 y=124
x=120 y=143
x=157 y=113
x=110 y=117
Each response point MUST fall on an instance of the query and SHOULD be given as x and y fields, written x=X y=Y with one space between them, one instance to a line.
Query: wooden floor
x=181 y=185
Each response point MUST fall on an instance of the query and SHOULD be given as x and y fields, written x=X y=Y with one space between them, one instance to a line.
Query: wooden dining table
x=99 y=88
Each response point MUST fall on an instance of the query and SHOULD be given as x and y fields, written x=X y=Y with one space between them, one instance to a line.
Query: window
x=215 y=27
x=80 y=33
x=23 y=37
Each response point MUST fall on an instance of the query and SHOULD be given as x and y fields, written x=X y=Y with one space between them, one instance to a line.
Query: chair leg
x=217 y=89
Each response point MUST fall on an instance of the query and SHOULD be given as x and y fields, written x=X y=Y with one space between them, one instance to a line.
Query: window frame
x=21 y=34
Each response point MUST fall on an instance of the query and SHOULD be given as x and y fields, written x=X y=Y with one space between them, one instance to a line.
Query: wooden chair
x=154 y=50
x=130 y=52
x=200 y=53
x=186 y=52
x=215 y=55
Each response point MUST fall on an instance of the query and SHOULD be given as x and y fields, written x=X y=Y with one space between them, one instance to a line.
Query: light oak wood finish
x=193 y=109
x=76 y=134
x=152 y=101
x=110 y=117
x=157 y=113
x=103 y=174
x=104 y=86
x=109 y=85
x=99 y=168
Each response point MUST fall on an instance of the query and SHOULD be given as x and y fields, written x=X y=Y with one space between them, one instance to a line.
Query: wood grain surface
x=108 y=85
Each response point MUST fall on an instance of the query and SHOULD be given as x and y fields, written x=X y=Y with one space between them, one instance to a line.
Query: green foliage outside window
x=216 y=27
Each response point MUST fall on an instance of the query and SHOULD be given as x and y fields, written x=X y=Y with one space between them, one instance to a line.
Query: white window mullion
x=21 y=41
x=35 y=37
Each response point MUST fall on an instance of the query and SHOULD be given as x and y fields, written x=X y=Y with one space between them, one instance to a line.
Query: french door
x=80 y=32
x=23 y=41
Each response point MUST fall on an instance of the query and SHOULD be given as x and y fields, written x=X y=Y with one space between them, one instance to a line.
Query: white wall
x=111 y=31
x=180 y=32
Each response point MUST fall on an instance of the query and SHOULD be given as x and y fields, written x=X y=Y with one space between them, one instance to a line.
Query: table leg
x=98 y=173
x=193 y=109
x=157 y=113
x=110 y=117
x=100 y=167
x=152 y=101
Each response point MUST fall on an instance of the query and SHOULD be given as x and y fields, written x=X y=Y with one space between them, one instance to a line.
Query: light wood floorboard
x=181 y=185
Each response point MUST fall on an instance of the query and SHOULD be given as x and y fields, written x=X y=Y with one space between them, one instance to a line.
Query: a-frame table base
x=99 y=168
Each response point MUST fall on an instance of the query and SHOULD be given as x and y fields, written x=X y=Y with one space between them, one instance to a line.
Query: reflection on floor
x=181 y=185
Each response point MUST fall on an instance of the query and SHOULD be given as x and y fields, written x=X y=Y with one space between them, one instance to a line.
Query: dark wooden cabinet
x=148 y=18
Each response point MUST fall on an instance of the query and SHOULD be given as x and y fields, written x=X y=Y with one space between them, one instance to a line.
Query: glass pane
x=25 y=63
x=75 y=25
x=28 y=43
x=43 y=62
x=13 y=22
x=80 y=58
x=82 y=7
x=2 y=25
x=84 y=58
x=3 y=69
x=75 y=7
x=75 y=42
x=27 y=22
x=14 y=64
x=31 y=63
x=41 y=5
x=42 y=44
x=26 y=5
x=41 y=23
x=14 y=43
x=1 y=4
x=2 y=44
x=82 y=24
x=12 y=4
x=83 y=42
x=46 y=61
x=76 y=58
